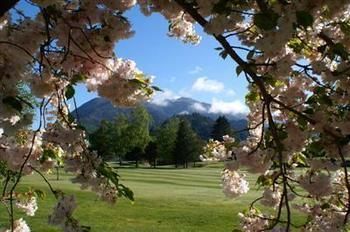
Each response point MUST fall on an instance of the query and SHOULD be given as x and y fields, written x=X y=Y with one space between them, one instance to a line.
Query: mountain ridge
x=94 y=111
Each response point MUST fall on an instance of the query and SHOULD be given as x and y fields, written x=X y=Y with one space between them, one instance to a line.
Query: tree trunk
x=6 y=5
x=137 y=163
x=120 y=160
x=57 y=172
x=154 y=163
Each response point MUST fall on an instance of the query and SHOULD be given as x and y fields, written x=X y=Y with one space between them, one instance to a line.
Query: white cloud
x=184 y=113
x=196 y=70
x=163 y=98
x=234 y=107
x=185 y=93
x=204 y=84
x=199 y=107
x=230 y=92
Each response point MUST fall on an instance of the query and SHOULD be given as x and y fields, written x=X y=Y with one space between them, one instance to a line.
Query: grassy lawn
x=166 y=200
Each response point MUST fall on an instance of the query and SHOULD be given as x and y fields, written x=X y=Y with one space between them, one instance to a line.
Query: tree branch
x=6 y=5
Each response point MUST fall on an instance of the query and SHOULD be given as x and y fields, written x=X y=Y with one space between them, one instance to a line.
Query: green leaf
x=304 y=19
x=39 y=193
x=252 y=96
x=322 y=49
x=71 y=118
x=77 y=78
x=269 y=79
x=266 y=20
x=282 y=134
x=221 y=7
x=239 y=70
x=302 y=122
x=156 y=88
x=69 y=92
x=325 y=206
x=296 y=44
x=345 y=27
x=325 y=99
x=301 y=159
x=139 y=82
x=13 y=102
x=223 y=54
x=340 y=50
x=309 y=111
x=250 y=55
x=264 y=180
x=126 y=192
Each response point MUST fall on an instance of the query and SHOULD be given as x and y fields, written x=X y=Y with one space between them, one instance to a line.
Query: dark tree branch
x=6 y=5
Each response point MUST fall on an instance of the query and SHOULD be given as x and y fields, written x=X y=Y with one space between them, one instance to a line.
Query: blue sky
x=179 y=69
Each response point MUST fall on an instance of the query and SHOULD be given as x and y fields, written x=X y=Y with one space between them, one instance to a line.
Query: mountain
x=94 y=111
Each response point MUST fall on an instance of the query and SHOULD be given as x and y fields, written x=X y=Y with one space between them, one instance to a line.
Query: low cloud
x=185 y=93
x=185 y=112
x=204 y=84
x=196 y=70
x=199 y=107
x=222 y=107
x=163 y=98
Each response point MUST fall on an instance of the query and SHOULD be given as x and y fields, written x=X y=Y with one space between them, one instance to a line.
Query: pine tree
x=151 y=153
x=187 y=145
x=221 y=127
x=166 y=138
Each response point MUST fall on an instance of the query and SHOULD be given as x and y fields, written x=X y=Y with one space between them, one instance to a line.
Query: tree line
x=131 y=138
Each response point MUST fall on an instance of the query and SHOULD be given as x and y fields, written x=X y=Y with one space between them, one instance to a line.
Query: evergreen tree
x=151 y=153
x=187 y=145
x=166 y=138
x=221 y=127
x=101 y=141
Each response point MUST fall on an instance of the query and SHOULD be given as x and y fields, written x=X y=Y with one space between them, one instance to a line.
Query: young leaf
x=266 y=20
x=250 y=55
x=239 y=70
x=13 y=102
x=223 y=54
x=69 y=92
x=304 y=19
x=156 y=88
x=77 y=78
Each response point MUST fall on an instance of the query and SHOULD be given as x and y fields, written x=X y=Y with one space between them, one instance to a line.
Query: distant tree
x=221 y=127
x=201 y=124
x=101 y=141
x=198 y=145
x=151 y=153
x=166 y=138
x=123 y=136
x=120 y=143
x=186 y=146
x=138 y=132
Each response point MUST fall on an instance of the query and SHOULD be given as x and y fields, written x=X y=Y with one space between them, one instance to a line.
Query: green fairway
x=166 y=200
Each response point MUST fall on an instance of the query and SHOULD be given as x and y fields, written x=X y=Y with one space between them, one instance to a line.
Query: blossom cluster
x=29 y=206
x=42 y=58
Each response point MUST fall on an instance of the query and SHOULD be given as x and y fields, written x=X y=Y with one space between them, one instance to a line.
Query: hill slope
x=98 y=109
